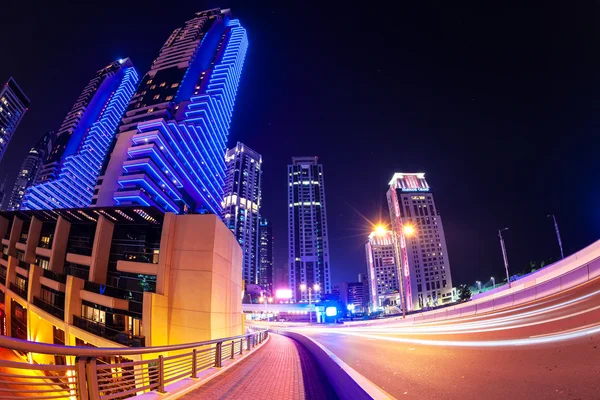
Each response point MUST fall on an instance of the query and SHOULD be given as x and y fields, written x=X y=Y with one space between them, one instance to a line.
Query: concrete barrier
x=503 y=302
x=594 y=269
x=347 y=383
x=524 y=295
x=574 y=278
x=547 y=288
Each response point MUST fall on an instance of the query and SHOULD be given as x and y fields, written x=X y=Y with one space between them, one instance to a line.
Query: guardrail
x=90 y=377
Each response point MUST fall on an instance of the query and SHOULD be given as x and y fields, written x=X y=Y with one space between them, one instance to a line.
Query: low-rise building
x=110 y=277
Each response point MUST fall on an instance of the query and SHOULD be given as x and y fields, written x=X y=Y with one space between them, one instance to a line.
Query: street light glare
x=408 y=230
x=316 y=287
x=302 y=286
x=380 y=230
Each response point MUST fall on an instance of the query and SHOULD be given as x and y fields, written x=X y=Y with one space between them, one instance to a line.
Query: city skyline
x=474 y=126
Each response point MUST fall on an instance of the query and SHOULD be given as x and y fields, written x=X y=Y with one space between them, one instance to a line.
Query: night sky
x=497 y=104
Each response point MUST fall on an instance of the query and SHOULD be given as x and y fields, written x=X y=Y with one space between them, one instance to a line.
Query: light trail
x=553 y=338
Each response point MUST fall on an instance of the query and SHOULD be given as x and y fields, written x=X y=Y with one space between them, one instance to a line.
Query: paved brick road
x=281 y=369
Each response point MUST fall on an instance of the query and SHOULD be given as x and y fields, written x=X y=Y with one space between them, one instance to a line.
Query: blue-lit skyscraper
x=172 y=140
x=13 y=106
x=69 y=173
x=29 y=168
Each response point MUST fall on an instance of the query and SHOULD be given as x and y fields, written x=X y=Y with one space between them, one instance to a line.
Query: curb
x=347 y=383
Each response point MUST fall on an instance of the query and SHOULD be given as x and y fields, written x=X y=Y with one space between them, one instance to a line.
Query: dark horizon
x=496 y=104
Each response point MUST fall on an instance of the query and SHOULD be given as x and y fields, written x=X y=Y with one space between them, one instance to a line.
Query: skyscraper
x=418 y=225
x=29 y=169
x=13 y=106
x=265 y=253
x=382 y=272
x=307 y=220
x=241 y=204
x=171 y=142
x=69 y=173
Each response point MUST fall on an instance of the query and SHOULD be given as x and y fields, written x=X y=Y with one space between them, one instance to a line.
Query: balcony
x=24 y=264
x=60 y=278
x=134 y=298
x=79 y=272
x=3 y=275
x=111 y=333
x=21 y=291
x=51 y=309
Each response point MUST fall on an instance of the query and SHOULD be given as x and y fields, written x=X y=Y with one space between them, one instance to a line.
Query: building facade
x=308 y=244
x=13 y=106
x=118 y=277
x=265 y=255
x=382 y=269
x=68 y=175
x=424 y=255
x=172 y=139
x=29 y=169
x=241 y=205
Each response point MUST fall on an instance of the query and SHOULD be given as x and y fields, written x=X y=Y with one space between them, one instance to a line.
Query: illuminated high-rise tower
x=69 y=173
x=172 y=140
x=13 y=106
x=241 y=204
x=421 y=241
x=265 y=254
x=307 y=219
x=382 y=271
x=29 y=168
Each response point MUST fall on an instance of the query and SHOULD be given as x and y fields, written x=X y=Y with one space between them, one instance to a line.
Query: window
x=156 y=97
x=175 y=85
x=149 y=81
x=169 y=98
x=153 y=87
x=163 y=84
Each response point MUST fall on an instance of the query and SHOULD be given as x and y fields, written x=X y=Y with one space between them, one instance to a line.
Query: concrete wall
x=201 y=287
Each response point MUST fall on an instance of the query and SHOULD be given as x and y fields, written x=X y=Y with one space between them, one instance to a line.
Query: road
x=546 y=349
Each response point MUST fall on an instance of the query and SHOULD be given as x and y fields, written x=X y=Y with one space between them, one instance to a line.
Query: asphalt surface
x=546 y=349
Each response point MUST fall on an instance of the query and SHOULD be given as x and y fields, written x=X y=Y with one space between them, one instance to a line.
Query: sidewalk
x=281 y=370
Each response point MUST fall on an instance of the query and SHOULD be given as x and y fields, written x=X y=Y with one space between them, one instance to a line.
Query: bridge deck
x=281 y=370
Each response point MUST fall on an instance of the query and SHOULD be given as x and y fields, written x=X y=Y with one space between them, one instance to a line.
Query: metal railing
x=108 y=332
x=90 y=377
x=50 y=308
x=21 y=291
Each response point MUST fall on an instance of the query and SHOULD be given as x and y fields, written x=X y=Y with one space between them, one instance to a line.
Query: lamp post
x=562 y=255
x=504 y=255
x=316 y=287
x=493 y=282
x=478 y=285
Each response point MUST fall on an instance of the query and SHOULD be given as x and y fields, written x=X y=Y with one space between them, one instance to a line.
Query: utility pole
x=504 y=255
x=562 y=255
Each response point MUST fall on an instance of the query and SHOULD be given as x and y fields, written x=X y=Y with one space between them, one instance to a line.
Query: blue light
x=79 y=171
x=331 y=311
x=192 y=149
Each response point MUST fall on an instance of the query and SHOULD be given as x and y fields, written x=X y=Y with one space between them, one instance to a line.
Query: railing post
x=92 y=379
x=161 y=374
x=248 y=343
x=218 y=355
x=194 y=363
x=80 y=378
x=232 y=349
x=241 y=346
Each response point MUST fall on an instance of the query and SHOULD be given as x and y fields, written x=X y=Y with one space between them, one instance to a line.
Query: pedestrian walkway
x=282 y=369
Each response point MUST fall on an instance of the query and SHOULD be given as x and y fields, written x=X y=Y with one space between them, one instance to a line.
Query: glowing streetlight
x=408 y=230
x=316 y=287
x=380 y=230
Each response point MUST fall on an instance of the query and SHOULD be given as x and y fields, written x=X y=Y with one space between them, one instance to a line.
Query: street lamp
x=562 y=255
x=478 y=285
x=316 y=287
x=504 y=254
x=493 y=282
x=405 y=230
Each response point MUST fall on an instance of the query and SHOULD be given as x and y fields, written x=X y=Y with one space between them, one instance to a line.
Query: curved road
x=546 y=349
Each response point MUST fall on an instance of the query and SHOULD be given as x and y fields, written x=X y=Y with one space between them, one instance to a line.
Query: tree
x=464 y=293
